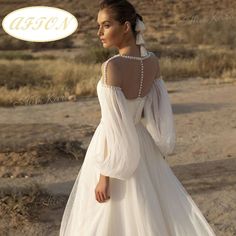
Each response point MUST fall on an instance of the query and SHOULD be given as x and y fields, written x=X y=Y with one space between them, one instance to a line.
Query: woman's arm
x=103 y=177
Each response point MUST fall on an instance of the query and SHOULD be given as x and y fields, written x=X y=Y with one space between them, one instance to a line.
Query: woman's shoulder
x=157 y=64
x=154 y=56
x=111 y=70
x=111 y=63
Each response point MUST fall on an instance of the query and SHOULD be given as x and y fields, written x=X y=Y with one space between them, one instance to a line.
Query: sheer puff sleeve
x=118 y=152
x=158 y=117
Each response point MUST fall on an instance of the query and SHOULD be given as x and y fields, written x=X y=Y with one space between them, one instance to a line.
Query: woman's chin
x=104 y=45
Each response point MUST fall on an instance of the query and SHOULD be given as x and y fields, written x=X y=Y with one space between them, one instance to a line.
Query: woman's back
x=135 y=75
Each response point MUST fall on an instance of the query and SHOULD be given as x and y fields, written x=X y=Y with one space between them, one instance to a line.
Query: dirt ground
x=43 y=146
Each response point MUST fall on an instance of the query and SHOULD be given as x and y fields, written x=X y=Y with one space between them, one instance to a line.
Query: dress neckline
x=135 y=57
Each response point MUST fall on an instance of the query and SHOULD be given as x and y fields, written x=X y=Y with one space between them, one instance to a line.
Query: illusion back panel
x=132 y=71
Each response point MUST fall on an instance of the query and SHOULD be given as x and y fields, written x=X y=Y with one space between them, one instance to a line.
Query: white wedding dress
x=146 y=198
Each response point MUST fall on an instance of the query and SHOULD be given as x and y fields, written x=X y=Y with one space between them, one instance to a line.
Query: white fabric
x=139 y=28
x=119 y=134
x=159 y=119
x=146 y=198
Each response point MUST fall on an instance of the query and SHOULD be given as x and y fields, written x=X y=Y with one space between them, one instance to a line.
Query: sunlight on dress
x=147 y=199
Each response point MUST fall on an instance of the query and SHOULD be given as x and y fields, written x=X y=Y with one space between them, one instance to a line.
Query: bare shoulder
x=112 y=71
x=157 y=63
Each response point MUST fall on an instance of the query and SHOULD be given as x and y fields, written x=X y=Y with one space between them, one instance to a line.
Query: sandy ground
x=42 y=150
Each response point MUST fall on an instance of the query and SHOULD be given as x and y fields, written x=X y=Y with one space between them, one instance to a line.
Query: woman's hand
x=102 y=189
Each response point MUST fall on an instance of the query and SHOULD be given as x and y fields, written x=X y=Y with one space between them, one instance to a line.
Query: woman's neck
x=131 y=49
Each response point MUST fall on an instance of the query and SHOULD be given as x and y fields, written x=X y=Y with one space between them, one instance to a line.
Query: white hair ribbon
x=139 y=28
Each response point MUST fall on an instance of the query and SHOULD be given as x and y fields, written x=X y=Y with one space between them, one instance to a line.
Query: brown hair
x=121 y=10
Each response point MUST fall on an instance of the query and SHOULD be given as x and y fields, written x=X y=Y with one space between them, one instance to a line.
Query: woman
x=125 y=187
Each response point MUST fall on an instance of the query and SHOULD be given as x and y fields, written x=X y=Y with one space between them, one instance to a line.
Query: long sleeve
x=118 y=152
x=158 y=118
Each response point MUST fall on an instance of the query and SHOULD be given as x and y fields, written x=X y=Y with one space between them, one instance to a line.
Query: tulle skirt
x=152 y=202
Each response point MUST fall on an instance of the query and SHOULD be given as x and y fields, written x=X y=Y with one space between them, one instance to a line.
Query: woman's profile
x=125 y=187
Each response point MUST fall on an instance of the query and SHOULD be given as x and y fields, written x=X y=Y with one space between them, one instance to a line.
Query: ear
x=127 y=26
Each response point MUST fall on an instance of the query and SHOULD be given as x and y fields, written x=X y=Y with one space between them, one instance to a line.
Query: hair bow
x=139 y=28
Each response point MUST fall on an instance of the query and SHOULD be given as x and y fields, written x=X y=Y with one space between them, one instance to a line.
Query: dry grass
x=220 y=32
x=25 y=82
x=44 y=81
x=18 y=210
x=206 y=64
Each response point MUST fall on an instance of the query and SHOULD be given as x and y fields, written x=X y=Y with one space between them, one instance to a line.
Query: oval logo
x=39 y=24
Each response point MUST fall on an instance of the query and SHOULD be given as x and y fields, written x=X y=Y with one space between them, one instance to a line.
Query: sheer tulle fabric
x=121 y=156
x=159 y=119
x=118 y=152
x=146 y=197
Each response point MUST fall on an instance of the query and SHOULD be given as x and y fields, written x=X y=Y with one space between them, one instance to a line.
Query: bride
x=125 y=187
